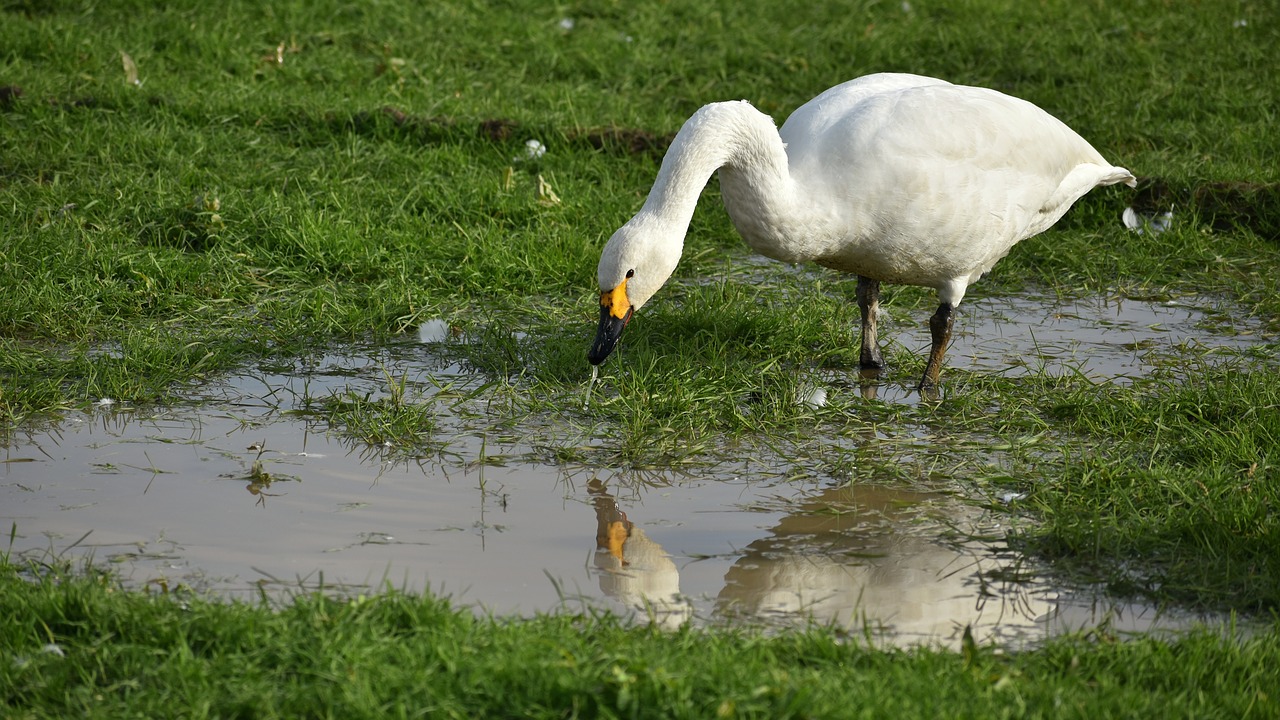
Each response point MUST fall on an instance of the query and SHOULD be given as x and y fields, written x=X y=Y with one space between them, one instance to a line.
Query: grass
x=1170 y=489
x=397 y=420
x=290 y=175
x=77 y=645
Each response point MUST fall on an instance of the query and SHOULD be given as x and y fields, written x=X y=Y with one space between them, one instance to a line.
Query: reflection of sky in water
x=1103 y=339
x=172 y=493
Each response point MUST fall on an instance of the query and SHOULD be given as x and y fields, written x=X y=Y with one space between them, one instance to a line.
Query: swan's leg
x=869 y=304
x=940 y=330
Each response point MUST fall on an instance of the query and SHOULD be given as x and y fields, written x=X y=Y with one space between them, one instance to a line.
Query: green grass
x=393 y=655
x=291 y=175
x=1169 y=489
x=396 y=421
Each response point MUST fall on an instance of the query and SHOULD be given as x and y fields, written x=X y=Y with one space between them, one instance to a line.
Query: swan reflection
x=633 y=569
x=862 y=557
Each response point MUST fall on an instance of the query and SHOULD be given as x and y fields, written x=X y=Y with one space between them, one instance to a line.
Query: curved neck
x=729 y=135
x=732 y=137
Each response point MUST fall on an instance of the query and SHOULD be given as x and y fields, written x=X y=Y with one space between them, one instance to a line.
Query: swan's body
x=894 y=178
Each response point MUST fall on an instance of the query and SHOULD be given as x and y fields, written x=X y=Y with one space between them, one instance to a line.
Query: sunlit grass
x=1166 y=489
x=76 y=645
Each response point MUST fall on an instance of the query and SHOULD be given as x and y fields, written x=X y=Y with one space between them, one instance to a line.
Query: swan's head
x=636 y=262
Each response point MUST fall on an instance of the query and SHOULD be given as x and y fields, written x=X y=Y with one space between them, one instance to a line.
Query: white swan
x=892 y=177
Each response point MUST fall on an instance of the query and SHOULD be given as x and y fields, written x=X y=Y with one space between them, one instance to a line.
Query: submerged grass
x=383 y=422
x=76 y=645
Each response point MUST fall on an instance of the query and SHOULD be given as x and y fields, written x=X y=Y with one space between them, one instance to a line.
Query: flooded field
x=241 y=493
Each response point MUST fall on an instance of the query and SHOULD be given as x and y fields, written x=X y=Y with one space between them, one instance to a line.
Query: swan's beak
x=615 y=313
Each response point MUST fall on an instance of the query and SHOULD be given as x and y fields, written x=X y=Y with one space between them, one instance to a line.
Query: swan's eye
x=630 y=273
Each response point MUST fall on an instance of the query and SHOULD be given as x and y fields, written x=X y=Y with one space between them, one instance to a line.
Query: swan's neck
x=742 y=143
x=732 y=137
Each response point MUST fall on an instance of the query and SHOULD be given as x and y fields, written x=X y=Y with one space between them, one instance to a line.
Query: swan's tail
x=1118 y=175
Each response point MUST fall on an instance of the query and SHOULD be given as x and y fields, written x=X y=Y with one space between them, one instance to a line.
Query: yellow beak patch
x=616 y=301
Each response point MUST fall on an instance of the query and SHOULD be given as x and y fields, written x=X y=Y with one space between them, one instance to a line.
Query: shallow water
x=239 y=494
x=1106 y=339
x=1115 y=338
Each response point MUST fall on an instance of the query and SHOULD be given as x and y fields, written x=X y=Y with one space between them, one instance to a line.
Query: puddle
x=1106 y=339
x=240 y=494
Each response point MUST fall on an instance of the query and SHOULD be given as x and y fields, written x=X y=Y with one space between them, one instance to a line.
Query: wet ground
x=240 y=494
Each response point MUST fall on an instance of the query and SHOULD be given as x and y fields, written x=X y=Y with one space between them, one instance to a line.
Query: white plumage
x=891 y=177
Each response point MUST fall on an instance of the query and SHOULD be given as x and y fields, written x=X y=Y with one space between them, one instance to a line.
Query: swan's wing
x=942 y=179
x=815 y=118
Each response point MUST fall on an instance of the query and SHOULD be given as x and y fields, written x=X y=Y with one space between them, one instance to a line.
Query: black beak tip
x=603 y=346
x=607 y=336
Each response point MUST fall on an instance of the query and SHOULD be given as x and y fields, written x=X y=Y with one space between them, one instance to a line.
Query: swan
x=891 y=177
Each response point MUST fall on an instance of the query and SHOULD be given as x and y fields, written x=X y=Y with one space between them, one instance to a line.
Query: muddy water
x=238 y=494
